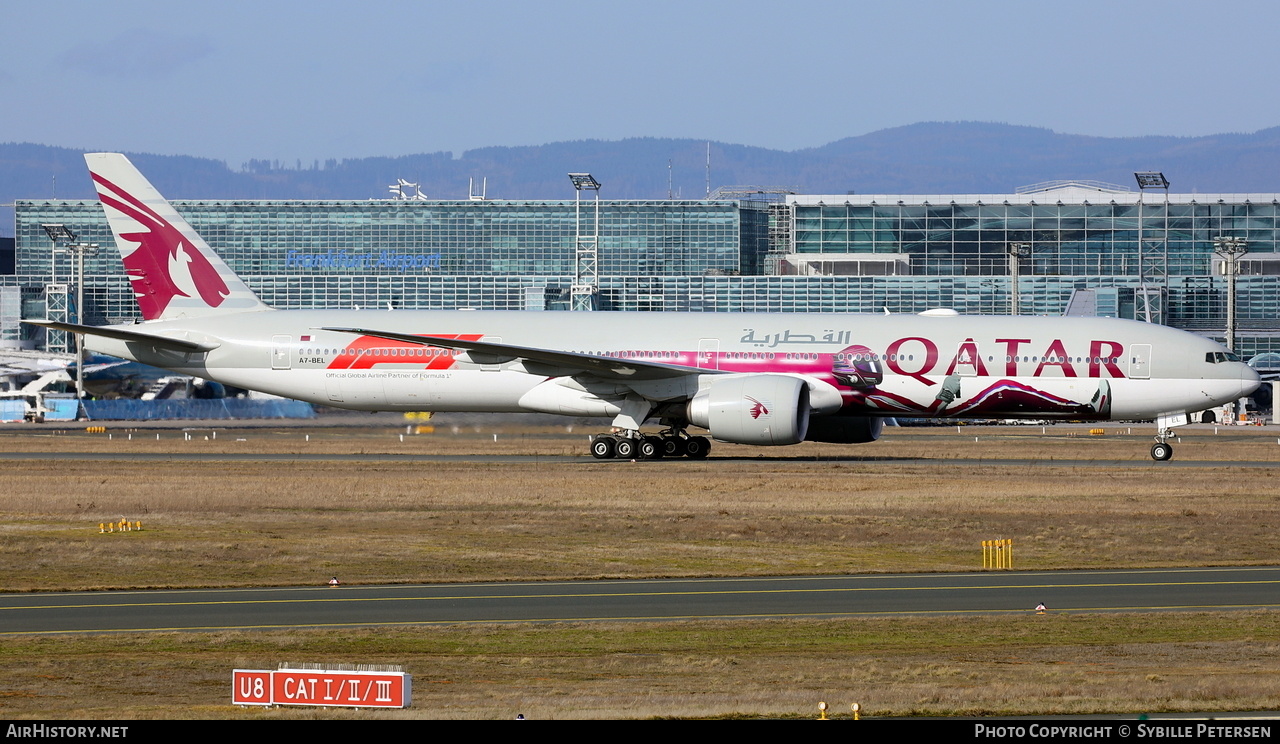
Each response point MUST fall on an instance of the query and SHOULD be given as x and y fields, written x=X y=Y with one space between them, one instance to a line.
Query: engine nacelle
x=555 y=396
x=844 y=429
x=753 y=409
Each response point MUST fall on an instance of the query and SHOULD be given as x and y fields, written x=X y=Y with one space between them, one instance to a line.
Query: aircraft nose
x=1249 y=380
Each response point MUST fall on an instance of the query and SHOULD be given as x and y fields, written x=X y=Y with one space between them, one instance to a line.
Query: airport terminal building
x=1078 y=248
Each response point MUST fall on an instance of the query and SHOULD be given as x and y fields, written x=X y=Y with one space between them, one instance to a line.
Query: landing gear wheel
x=625 y=449
x=602 y=448
x=696 y=448
x=648 y=448
x=1161 y=451
x=672 y=447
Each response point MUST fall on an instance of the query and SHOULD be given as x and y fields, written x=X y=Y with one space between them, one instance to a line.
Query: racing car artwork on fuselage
x=751 y=378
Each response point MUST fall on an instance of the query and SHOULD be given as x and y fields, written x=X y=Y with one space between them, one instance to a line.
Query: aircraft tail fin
x=173 y=271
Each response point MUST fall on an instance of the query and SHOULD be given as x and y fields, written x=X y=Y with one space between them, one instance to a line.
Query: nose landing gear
x=1162 y=450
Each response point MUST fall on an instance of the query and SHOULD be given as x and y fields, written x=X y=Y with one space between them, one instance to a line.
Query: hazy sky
x=291 y=80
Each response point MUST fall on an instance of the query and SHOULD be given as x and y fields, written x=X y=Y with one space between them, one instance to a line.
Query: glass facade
x=953 y=251
x=855 y=253
x=1090 y=237
x=408 y=254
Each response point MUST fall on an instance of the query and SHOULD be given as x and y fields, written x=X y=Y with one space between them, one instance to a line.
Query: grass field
x=805 y=509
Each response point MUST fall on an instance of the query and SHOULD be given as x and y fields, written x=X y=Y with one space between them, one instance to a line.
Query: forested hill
x=927 y=158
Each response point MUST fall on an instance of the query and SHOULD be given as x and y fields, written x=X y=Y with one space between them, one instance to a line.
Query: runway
x=153 y=457
x=1156 y=590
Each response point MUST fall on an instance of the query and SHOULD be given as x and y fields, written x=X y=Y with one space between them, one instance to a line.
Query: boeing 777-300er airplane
x=750 y=378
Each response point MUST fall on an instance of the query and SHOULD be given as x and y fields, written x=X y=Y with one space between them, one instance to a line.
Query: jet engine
x=753 y=409
x=844 y=429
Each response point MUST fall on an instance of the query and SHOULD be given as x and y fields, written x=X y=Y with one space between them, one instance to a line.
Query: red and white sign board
x=321 y=688
x=250 y=687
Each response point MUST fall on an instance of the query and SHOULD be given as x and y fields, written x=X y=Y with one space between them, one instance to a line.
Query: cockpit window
x=1218 y=357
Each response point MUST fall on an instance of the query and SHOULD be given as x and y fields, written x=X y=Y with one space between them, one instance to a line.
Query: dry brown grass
x=904 y=667
x=300 y=521
x=807 y=509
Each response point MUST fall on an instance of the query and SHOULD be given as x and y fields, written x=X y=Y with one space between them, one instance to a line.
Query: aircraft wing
x=91 y=368
x=8 y=370
x=548 y=361
x=121 y=334
x=21 y=362
x=24 y=367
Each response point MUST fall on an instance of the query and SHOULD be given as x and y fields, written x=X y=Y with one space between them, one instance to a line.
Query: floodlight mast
x=1152 y=180
x=55 y=293
x=1230 y=250
x=58 y=232
x=586 y=274
x=80 y=250
x=1153 y=261
x=1017 y=252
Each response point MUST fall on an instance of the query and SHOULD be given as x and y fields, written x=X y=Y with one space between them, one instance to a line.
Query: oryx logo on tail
x=164 y=265
x=173 y=271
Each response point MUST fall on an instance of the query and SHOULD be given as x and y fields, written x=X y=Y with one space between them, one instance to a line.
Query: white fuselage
x=955 y=366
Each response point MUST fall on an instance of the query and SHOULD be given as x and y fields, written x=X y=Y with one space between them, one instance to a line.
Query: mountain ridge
x=921 y=158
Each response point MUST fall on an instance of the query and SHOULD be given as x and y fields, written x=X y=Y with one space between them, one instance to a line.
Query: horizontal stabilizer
x=120 y=334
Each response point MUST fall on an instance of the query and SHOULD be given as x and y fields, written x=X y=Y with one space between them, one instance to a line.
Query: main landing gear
x=632 y=445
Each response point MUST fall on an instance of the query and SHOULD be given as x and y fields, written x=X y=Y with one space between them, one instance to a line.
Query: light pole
x=1017 y=252
x=80 y=250
x=586 y=268
x=1230 y=250
x=1152 y=263
x=55 y=294
x=64 y=242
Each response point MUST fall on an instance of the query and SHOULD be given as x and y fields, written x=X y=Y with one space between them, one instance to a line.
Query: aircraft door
x=709 y=353
x=966 y=360
x=281 y=352
x=1140 y=362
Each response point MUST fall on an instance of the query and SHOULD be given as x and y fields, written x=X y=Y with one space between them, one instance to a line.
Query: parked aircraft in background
x=38 y=379
x=25 y=365
x=765 y=379
x=104 y=376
